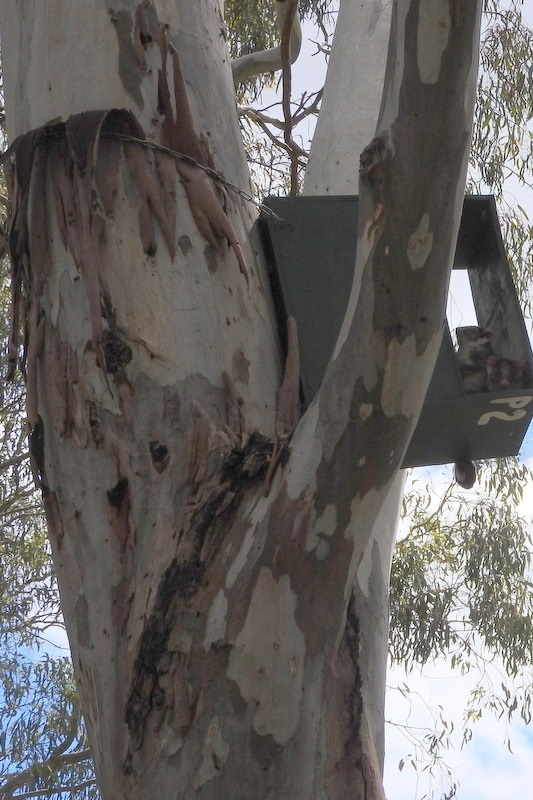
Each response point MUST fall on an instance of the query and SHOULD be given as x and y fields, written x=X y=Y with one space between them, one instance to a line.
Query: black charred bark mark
x=224 y=649
x=248 y=463
x=351 y=635
x=159 y=455
x=372 y=158
x=241 y=468
x=37 y=454
x=150 y=249
x=180 y=582
x=184 y=244
x=222 y=502
x=117 y=353
x=117 y=494
x=142 y=35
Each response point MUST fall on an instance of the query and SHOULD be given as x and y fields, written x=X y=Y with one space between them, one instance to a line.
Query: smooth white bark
x=262 y=61
x=352 y=97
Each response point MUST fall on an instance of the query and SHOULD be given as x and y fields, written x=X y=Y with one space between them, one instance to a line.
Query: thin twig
x=286 y=84
x=289 y=149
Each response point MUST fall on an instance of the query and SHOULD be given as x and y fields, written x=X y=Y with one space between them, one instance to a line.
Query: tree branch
x=292 y=6
x=289 y=149
x=270 y=60
x=55 y=790
x=55 y=761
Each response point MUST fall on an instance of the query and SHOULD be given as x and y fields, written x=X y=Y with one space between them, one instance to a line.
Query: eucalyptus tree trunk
x=361 y=36
x=207 y=542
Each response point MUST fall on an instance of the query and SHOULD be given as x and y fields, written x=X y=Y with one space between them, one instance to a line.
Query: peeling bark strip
x=207 y=201
x=70 y=153
x=85 y=169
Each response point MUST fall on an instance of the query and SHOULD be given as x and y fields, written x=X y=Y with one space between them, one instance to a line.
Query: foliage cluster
x=460 y=582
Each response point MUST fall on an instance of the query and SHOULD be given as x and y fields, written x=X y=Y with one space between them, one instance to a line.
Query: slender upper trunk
x=361 y=36
x=207 y=570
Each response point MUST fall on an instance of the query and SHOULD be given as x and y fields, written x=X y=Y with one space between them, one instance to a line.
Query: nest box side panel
x=493 y=291
x=313 y=241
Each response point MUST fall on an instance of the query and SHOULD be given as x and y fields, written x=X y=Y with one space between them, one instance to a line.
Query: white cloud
x=484 y=769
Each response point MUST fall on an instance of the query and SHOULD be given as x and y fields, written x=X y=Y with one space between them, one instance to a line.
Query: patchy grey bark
x=206 y=570
x=361 y=38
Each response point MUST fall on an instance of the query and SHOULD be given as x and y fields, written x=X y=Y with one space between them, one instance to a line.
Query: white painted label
x=516 y=403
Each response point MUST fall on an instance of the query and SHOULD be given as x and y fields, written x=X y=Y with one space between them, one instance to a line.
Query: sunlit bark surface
x=206 y=548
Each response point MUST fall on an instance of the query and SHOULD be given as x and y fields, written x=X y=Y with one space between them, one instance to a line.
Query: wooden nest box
x=311 y=244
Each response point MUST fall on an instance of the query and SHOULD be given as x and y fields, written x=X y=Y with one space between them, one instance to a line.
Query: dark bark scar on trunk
x=352 y=644
x=212 y=514
x=219 y=499
x=159 y=455
x=180 y=581
x=117 y=353
x=119 y=499
x=371 y=171
x=135 y=32
x=359 y=743
x=37 y=454
x=117 y=494
x=288 y=405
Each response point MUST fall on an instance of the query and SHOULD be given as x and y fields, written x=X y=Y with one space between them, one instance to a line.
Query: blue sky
x=485 y=768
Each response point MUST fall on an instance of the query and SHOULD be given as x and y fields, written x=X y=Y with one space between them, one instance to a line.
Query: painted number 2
x=516 y=403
